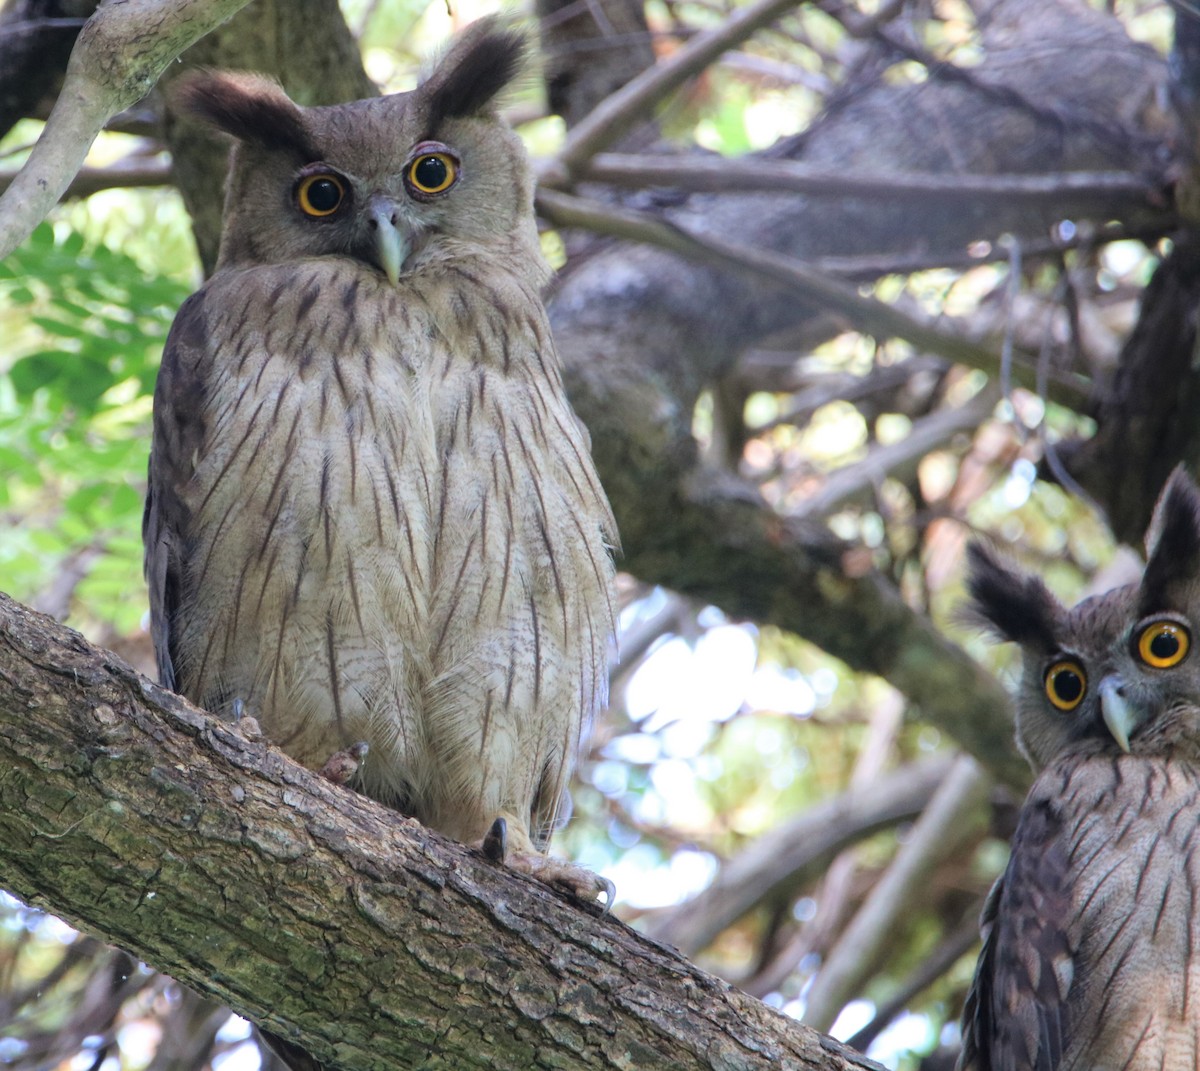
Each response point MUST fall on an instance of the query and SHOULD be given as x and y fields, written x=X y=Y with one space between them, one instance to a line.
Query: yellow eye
x=1065 y=684
x=432 y=172
x=1163 y=644
x=320 y=195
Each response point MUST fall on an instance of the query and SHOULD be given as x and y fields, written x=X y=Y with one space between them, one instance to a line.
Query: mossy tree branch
x=370 y=940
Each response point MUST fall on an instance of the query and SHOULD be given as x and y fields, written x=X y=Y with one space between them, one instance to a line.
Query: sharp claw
x=610 y=893
x=239 y=708
x=495 y=844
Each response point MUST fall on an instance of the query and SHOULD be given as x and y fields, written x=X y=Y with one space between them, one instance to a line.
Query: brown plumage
x=1091 y=956
x=372 y=514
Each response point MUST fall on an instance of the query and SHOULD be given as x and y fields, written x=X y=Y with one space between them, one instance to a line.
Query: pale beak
x=389 y=244
x=1120 y=715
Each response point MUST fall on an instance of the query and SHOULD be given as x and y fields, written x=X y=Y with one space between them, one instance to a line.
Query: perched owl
x=372 y=514
x=1092 y=935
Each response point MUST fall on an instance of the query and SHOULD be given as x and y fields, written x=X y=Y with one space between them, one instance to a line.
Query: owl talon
x=343 y=765
x=495 y=844
x=510 y=846
x=578 y=881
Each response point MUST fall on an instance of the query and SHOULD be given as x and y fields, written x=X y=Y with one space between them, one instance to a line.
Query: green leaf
x=37 y=370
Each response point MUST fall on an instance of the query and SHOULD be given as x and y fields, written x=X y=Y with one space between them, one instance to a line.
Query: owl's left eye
x=1065 y=684
x=1163 y=644
x=432 y=172
x=320 y=195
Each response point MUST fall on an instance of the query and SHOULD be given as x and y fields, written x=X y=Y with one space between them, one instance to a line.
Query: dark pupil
x=430 y=172
x=324 y=195
x=1164 y=645
x=1067 y=685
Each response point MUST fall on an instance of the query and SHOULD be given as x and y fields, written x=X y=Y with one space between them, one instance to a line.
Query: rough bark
x=335 y=922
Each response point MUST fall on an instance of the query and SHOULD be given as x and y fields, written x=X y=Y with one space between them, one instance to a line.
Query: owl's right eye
x=432 y=172
x=320 y=195
x=1163 y=644
x=1065 y=684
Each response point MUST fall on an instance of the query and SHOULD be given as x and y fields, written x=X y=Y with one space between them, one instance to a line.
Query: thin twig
x=898 y=459
x=122 y=175
x=1011 y=292
x=779 y=859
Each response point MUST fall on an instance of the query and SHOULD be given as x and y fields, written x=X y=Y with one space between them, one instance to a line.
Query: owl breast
x=1132 y=982
x=399 y=536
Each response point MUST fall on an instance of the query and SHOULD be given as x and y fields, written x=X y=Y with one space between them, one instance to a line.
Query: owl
x=1092 y=935
x=372 y=514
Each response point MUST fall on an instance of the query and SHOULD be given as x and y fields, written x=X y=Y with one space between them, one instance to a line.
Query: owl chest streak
x=1132 y=840
x=372 y=555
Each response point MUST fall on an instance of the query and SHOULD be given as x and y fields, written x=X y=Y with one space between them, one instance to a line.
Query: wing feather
x=178 y=438
x=1017 y=1013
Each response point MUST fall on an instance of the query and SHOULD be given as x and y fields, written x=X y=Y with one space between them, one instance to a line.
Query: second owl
x=1092 y=935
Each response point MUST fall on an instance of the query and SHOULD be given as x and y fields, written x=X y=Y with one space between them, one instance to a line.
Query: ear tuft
x=485 y=59
x=1009 y=603
x=251 y=107
x=1172 y=540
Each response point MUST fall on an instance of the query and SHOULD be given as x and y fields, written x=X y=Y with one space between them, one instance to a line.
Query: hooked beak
x=1120 y=715
x=389 y=244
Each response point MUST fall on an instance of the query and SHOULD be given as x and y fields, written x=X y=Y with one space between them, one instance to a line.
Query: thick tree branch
x=332 y=920
x=117 y=58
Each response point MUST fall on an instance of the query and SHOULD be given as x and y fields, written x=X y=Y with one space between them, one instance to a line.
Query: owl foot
x=580 y=882
x=343 y=765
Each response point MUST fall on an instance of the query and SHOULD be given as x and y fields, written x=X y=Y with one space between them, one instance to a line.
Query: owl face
x=399 y=183
x=1120 y=671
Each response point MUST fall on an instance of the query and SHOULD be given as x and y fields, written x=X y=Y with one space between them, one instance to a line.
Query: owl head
x=398 y=182
x=1119 y=671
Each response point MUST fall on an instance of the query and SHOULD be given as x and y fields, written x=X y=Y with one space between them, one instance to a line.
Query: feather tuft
x=1009 y=603
x=483 y=61
x=250 y=107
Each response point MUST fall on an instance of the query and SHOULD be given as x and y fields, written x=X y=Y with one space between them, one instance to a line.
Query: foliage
x=87 y=325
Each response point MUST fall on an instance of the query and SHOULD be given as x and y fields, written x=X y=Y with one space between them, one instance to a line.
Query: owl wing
x=1017 y=1013
x=177 y=440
